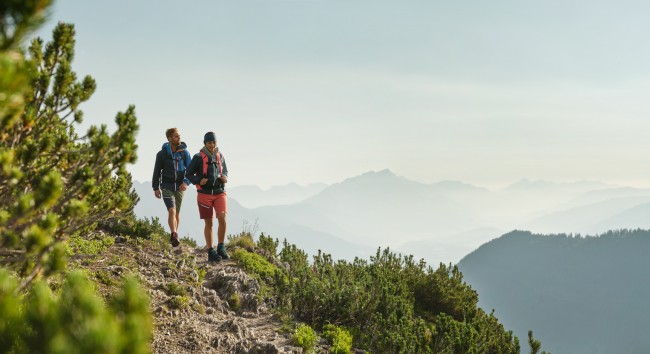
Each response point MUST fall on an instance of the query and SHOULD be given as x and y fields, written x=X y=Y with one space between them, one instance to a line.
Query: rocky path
x=201 y=307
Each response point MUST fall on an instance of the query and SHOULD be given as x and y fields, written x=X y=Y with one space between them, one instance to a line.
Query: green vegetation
x=131 y=226
x=269 y=244
x=57 y=187
x=234 y=301
x=339 y=339
x=593 y=269
x=305 y=337
x=60 y=191
x=174 y=288
x=55 y=184
x=78 y=245
x=198 y=308
x=104 y=277
x=243 y=240
x=74 y=321
x=179 y=302
x=389 y=304
x=256 y=264
x=188 y=241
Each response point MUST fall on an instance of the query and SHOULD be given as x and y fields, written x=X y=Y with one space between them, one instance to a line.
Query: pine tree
x=55 y=183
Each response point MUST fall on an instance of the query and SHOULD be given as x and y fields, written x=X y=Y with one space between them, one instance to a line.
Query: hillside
x=580 y=294
x=255 y=302
x=191 y=300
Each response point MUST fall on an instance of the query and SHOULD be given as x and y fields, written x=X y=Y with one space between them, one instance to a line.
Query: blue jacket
x=195 y=173
x=169 y=169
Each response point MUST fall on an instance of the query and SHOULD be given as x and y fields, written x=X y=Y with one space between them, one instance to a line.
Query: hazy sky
x=487 y=92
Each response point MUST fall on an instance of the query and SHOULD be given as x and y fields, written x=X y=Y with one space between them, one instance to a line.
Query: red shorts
x=207 y=202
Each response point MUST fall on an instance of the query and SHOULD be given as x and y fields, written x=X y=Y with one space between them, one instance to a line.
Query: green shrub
x=243 y=240
x=268 y=243
x=235 y=302
x=198 y=308
x=55 y=184
x=179 y=302
x=305 y=337
x=104 y=277
x=75 y=321
x=78 y=245
x=376 y=301
x=202 y=273
x=130 y=225
x=174 y=288
x=189 y=241
x=339 y=339
x=256 y=264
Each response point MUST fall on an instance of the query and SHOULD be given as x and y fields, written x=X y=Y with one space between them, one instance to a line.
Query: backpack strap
x=206 y=160
x=188 y=158
x=219 y=163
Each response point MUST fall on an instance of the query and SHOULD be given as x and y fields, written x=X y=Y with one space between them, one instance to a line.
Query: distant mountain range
x=580 y=295
x=440 y=222
x=254 y=196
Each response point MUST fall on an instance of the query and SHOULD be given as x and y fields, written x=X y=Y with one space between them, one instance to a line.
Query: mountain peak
x=384 y=172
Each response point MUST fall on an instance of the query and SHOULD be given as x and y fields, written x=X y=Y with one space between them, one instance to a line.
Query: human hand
x=224 y=178
x=203 y=181
x=183 y=186
x=157 y=193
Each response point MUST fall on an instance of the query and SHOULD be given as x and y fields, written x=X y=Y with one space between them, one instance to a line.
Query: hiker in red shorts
x=209 y=173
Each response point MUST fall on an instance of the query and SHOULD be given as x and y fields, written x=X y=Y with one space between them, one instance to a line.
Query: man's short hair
x=170 y=132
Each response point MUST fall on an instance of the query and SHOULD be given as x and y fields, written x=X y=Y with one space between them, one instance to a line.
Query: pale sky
x=485 y=92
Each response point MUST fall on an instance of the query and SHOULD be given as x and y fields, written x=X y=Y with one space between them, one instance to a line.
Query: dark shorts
x=172 y=199
x=209 y=202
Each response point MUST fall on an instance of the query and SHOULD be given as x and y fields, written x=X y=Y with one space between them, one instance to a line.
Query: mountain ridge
x=381 y=207
x=581 y=294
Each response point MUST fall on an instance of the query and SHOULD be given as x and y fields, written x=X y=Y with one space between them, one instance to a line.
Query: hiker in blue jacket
x=169 y=176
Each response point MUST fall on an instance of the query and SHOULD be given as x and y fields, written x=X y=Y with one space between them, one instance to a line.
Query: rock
x=208 y=325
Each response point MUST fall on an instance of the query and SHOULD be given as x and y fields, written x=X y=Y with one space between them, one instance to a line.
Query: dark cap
x=209 y=136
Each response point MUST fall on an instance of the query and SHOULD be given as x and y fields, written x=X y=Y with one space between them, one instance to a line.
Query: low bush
x=268 y=243
x=256 y=264
x=78 y=245
x=189 y=241
x=173 y=288
x=179 y=302
x=234 y=301
x=75 y=320
x=305 y=337
x=339 y=339
x=243 y=240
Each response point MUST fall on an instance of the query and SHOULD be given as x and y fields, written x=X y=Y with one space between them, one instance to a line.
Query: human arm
x=224 y=170
x=188 y=161
x=157 y=172
x=194 y=172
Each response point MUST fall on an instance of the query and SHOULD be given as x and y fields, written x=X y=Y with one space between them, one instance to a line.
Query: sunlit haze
x=317 y=91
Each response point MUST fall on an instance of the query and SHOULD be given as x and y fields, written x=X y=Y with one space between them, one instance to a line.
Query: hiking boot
x=213 y=256
x=174 y=239
x=221 y=251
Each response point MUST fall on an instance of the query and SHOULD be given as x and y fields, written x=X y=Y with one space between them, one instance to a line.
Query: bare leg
x=221 y=231
x=207 y=232
x=178 y=219
x=172 y=219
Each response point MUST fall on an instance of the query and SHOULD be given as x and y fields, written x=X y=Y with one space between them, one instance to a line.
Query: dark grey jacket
x=170 y=167
x=214 y=166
